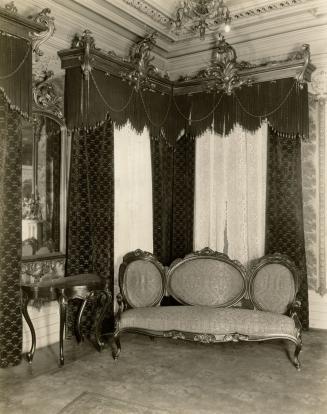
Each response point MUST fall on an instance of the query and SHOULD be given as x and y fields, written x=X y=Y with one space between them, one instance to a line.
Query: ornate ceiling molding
x=146 y=8
x=267 y=8
x=164 y=19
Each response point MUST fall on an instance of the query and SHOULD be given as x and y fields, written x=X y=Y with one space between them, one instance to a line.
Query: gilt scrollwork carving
x=143 y=69
x=306 y=56
x=235 y=337
x=204 y=338
x=174 y=335
x=45 y=96
x=224 y=69
x=32 y=272
x=86 y=41
x=11 y=8
x=45 y=19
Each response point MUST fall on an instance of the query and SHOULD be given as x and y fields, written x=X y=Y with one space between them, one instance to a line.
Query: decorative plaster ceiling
x=250 y=19
x=162 y=11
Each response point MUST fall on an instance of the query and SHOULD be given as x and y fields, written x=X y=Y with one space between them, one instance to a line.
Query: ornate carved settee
x=211 y=287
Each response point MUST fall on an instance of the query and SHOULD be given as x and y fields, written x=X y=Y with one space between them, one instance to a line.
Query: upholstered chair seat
x=85 y=279
x=203 y=319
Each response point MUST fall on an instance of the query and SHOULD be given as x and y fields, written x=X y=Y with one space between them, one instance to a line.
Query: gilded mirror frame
x=47 y=104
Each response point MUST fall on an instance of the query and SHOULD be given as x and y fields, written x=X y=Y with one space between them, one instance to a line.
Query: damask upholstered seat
x=204 y=319
x=142 y=280
x=211 y=287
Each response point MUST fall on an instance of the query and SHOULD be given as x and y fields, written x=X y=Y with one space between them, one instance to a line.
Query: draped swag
x=284 y=217
x=282 y=102
x=230 y=193
x=173 y=198
x=10 y=234
x=90 y=230
x=16 y=72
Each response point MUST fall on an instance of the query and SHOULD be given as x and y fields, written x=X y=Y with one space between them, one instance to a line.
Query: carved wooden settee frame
x=260 y=270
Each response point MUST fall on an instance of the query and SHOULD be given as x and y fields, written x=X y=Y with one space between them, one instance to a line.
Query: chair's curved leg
x=98 y=325
x=63 y=311
x=116 y=348
x=78 y=333
x=298 y=349
x=30 y=354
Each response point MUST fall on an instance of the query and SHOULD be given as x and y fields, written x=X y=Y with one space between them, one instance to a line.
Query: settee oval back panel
x=142 y=284
x=206 y=282
x=273 y=288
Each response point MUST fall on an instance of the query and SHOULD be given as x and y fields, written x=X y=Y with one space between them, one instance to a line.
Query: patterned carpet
x=174 y=377
x=98 y=404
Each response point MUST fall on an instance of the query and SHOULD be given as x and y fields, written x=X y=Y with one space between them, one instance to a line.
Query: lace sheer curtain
x=133 y=194
x=230 y=193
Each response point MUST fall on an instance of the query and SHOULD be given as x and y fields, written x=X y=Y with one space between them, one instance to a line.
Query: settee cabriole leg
x=116 y=346
x=298 y=349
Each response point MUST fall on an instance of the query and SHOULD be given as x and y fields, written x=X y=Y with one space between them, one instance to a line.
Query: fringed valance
x=87 y=103
x=16 y=72
x=224 y=94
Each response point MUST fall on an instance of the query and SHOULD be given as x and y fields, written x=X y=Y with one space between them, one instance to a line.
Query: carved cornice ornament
x=86 y=41
x=224 y=70
x=306 y=56
x=225 y=74
x=11 y=8
x=139 y=77
x=45 y=96
x=39 y=38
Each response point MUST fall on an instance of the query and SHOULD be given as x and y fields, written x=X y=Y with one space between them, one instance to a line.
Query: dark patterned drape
x=162 y=158
x=16 y=72
x=173 y=198
x=183 y=197
x=90 y=232
x=10 y=235
x=284 y=210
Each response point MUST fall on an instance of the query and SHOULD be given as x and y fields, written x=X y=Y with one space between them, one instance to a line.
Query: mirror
x=41 y=186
